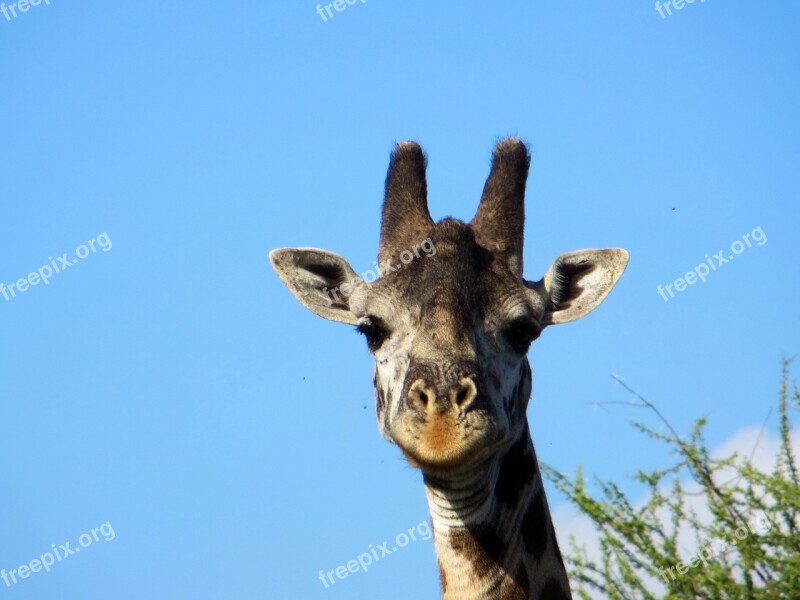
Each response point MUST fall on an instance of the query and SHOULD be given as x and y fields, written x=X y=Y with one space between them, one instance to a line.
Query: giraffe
x=450 y=334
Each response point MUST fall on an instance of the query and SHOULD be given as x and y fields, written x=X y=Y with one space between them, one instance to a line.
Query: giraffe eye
x=520 y=333
x=375 y=332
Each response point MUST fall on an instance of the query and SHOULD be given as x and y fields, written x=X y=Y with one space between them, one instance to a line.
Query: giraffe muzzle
x=445 y=416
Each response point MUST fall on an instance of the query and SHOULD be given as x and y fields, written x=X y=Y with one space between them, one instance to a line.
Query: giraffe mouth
x=444 y=444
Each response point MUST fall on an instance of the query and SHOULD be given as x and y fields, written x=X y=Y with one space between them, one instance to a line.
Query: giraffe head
x=451 y=318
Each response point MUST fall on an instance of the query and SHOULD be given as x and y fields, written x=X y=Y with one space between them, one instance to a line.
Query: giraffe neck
x=494 y=536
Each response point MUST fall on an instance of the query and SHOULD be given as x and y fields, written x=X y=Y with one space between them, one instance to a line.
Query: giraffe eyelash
x=374 y=330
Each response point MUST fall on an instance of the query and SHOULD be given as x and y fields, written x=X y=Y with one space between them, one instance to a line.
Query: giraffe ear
x=320 y=280
x=578 y=282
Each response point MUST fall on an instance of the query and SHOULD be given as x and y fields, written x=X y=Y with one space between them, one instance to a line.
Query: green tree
x=746 y=538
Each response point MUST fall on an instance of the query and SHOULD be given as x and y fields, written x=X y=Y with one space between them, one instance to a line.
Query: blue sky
x=171 y=387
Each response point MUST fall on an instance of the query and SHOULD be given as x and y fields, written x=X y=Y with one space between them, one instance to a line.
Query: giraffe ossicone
x=450 y=336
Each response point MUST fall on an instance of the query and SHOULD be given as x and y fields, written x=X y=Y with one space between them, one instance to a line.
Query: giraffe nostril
x=423 y=398
x=466 y=392
x=420 y=396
